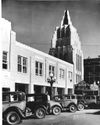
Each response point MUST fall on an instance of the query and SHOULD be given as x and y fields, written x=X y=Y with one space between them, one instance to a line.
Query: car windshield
x=5 y=98
x=21 y=97
x=57 y=98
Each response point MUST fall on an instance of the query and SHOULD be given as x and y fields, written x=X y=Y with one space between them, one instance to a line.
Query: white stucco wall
x=5 y=29
x=12 y=76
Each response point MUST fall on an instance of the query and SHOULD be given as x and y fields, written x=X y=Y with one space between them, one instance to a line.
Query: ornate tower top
x=66 y=19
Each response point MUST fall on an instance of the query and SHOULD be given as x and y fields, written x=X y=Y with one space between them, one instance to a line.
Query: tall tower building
x=61 y=43
x=66 y=45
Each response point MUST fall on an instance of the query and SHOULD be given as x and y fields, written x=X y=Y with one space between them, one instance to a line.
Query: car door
x=30 y=102
x=15 y=100
x=66 y=100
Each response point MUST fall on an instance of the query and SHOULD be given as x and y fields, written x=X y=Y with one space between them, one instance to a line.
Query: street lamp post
x=51 y=80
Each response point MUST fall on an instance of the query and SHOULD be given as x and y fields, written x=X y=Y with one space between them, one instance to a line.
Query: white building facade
x=26 y=69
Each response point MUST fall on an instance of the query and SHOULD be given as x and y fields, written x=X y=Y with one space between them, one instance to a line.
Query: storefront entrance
x=70 y=91
x=37 y=89
x=60 y=90
x=5 y=89
x=21 y=87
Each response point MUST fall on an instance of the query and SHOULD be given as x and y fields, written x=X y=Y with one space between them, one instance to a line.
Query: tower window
x=5 y=60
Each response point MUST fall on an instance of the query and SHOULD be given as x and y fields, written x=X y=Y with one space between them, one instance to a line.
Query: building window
x=38 y=68
x=19 y=64
x=78 y=78
x=22 y=64
x=70 y=75
x=5 y=60
x=61 y=75
x=78 y=62
x=51 y=70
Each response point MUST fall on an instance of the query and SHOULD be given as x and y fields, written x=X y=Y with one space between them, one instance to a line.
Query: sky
x=34 y=22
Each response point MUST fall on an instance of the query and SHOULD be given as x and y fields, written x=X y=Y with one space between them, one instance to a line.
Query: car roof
x=40 y=94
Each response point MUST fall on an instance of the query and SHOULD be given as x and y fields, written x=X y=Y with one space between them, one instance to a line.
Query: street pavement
x=85 y=117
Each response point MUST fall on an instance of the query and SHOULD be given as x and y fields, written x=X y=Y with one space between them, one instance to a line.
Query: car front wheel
x=40 y=113
x=80 y=107
x=56 y=110
x=13 y=118
x=72 y=108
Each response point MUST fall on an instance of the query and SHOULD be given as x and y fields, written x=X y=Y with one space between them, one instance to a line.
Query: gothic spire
x=66 y=19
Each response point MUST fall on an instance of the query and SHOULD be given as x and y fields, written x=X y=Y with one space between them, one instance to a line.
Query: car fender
x=56 y=105
x=51 y=108
x=81 y=102
x=18 y=110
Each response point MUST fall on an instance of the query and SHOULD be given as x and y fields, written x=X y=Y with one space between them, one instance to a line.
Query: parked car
x=93 y=101
x=13 y=107
x=81 y=103
x=17 y=106
x=39 y=104
x=68 y=102
x=98 y=100
x=90 y=100
x=54 y=107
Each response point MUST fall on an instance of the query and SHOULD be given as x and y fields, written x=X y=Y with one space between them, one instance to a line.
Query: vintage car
x=92 y=101
x=98 y=100
x=88 y=101
x=41 y=105
x=13 y=107
x=54 y=107
x=37 y=104
x=68 y=102
x=18 y=105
